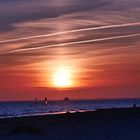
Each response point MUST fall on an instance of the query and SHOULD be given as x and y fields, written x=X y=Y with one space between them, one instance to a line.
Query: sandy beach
x=103 y=124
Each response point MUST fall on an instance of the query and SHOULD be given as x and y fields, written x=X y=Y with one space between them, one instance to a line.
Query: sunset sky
x=82 y=49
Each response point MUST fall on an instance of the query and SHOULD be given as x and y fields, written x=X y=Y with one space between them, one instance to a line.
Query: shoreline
x=47 y=114
x=63 y=112
x=67 y=112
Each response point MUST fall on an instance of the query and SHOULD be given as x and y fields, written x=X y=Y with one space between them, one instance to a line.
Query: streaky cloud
x=70 y=31
x=74 y=43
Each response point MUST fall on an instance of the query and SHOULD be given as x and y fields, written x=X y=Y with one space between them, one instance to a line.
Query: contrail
x=71 y=31
x=74 y=43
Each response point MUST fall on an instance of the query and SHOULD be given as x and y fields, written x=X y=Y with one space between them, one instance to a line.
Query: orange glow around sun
x=62 y=78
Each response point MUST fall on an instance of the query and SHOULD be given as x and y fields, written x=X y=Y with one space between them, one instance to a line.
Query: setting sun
x=62 y=78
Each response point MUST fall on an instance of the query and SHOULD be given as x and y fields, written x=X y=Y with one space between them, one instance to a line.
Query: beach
x=102 y=124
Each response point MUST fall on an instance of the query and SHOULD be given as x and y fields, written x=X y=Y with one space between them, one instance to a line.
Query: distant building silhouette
x=66 y=99
x=46 y=101
x=36 y=100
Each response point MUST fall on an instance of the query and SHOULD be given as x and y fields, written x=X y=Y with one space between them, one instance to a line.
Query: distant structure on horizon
x=66 y=99
x=36 y=100
x=46 y=101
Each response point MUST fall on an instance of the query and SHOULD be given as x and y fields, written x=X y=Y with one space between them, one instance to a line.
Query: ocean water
x=18 y=109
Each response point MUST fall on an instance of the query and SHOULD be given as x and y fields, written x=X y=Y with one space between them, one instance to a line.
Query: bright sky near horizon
x=76 y=48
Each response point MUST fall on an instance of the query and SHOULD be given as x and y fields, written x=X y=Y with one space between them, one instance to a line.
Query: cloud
x=18 y=11
x=74 y=43
x=100 y=37
x=71 y=31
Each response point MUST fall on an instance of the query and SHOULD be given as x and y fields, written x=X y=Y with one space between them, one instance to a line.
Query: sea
x=32 y=108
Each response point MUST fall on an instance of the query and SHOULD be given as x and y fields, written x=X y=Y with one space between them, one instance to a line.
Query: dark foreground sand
x=107 y=124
